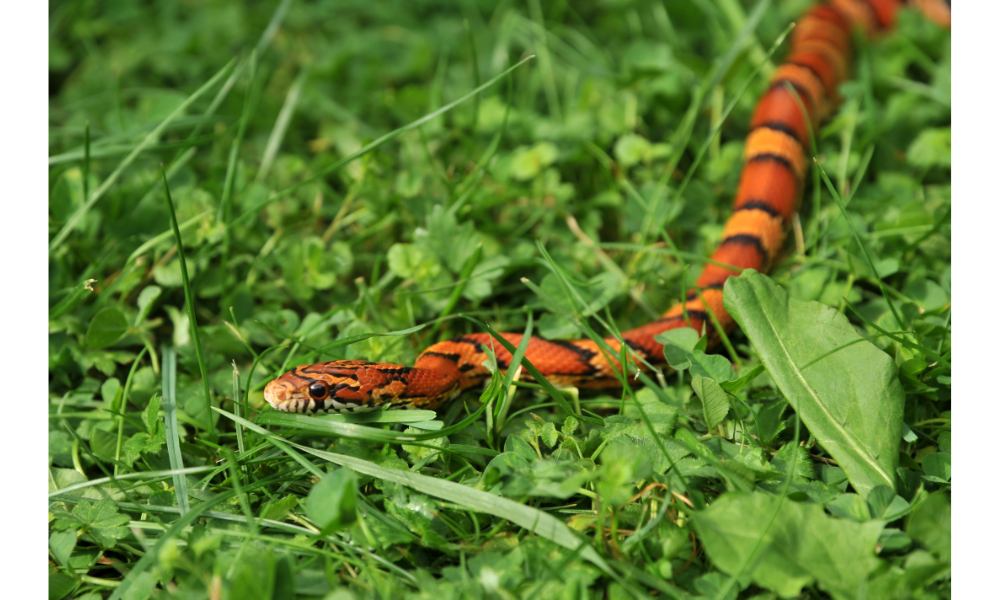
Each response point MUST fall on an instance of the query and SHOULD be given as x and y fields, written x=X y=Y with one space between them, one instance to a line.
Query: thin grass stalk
x=169 y=389
x=189 y=298
x=120 y=409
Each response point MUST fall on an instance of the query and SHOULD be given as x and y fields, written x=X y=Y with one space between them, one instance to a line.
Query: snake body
x=802 y=93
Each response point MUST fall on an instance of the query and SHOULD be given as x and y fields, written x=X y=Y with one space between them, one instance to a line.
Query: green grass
x=363 y=179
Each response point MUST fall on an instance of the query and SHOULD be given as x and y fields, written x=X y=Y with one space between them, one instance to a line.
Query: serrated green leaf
x=140 y=443
x=794 y=459
x=549 y=434
x=713 y=366
x=843 y=387
x=106 y=328
x=715 y=402
x=102 y=521
x=151 y=416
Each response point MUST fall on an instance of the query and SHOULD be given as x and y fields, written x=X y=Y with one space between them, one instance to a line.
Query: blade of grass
x=506 y=389
x=236 y=408
x=234 y=474
x=144 y=474
x=172 y=429
x=121 y=407
x=189 y=298
x=360 y=432
x=281 y=125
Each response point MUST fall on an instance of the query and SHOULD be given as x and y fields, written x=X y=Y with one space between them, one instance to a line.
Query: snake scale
x=802 y=92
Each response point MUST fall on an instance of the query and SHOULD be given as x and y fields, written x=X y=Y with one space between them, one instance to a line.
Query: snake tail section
x=802 y=92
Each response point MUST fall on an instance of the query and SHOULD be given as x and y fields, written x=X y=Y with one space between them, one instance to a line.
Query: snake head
x=333 y=386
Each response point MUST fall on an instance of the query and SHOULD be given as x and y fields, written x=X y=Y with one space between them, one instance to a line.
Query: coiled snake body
x=770 y=187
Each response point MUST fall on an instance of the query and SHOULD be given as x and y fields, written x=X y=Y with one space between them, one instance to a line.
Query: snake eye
x=317 y=391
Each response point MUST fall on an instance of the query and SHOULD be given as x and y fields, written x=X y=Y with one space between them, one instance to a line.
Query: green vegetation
x=238 y=188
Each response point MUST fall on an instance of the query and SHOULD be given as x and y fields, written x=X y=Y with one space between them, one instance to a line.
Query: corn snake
x=802 y=92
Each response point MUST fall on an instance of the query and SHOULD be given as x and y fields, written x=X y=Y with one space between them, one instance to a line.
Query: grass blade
x=172 y=431
x=189 y=298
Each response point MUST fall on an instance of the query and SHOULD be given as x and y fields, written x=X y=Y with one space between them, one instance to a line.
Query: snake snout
x=278 y=393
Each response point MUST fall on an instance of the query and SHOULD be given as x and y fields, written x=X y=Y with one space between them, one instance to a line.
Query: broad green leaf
x=333 y=502
x=106 y=328
x=937 y=467
x=677 y=346
x=713 y=366
x=768 y=421
x=62 y=544
x=527 y=163
x=631 y=149
x=850 y=506
x=60 y=585
x=409 y=261
x=549 y=434
x=142 y=588
x=843 y=387
x=714 y=400
x=800 y=546
x=930 y=524
x=146 y=299
x=279 y=509
x=931 y=148
x=884 y=504
x=744 y=380
x=103 y=443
